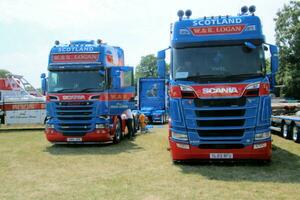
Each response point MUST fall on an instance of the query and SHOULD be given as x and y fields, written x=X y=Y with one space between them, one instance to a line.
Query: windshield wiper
x=66 y=90
x=250 y=75
x=91 y=90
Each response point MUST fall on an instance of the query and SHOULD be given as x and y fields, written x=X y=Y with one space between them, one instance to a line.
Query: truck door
x=121 y=89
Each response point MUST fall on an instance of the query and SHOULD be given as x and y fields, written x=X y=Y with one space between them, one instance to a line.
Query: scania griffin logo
x=227 y=90
x=77 y=97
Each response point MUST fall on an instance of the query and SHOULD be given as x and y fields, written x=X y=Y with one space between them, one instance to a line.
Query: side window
x=126 y=78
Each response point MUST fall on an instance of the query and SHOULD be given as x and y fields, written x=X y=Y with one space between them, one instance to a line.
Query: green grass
x=32 y=168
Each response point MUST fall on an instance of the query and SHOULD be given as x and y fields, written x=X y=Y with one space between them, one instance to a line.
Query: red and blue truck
x=87 y=90
x=220 y=106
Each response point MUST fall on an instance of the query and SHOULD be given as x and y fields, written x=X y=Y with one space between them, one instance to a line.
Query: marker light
x=244 y=9
x=56 y=42
x=252 y=9
x=180 y=14
x=188 y=13
x=99 y=41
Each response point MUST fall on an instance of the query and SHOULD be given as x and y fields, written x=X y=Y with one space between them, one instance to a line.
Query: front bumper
x=194 y=152
x=97 y=136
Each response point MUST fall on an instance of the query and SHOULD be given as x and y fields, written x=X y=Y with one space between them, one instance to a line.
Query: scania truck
x=87 y=90
x=220 y=106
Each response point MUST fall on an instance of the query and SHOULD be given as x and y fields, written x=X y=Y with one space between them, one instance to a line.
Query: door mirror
x=274 y=65
x=274 y=58
x=43 y=83
x=161 y=64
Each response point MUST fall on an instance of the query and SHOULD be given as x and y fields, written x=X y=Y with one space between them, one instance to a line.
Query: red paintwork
x=197 y=153
x=99 y=135
x=102 y=96
x=75 y=57
x=24 y=106
x=9 y=84
x=104 y=135
x=175 y=91
x=215 y=30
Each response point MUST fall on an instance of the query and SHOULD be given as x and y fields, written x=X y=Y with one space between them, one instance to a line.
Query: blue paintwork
x=182 y=34
x=153 y=105
x=182 y=112
x=83 y=118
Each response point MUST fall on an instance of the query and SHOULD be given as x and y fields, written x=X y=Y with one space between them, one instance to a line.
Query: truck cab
x=88 y=88
x=220 y=106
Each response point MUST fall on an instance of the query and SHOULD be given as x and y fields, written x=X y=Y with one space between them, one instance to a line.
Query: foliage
x=147 y=67
x=288 y=41
x=4 y=73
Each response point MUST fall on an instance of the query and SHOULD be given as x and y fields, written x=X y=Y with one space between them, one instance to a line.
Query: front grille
x=235 y=122
x=77 y=118
x=221 y=133
x=221 y=146
x=74 y=117
x=220 y=102
x=220 y=113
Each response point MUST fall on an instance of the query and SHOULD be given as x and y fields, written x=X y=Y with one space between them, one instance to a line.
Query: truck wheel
x=295 y=132
x=118 y=132
x=285 y=131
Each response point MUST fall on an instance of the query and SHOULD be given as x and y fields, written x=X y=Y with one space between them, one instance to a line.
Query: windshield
x=75 y=81
x=219 y=61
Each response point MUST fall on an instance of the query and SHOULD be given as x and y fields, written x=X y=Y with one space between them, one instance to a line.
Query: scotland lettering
x=217 y=26
x=75 y=49
x=217 y=21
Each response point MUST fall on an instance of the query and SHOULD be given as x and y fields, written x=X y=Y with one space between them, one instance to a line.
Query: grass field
x=32 y=168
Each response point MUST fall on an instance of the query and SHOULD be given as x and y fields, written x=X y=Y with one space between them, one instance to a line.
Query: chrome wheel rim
x=285 y=130
x=295 y=133
x=118 y=130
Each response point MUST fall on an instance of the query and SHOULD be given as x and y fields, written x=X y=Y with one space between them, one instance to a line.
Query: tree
x=288 y=40
x=147 y=67
x=4 y=73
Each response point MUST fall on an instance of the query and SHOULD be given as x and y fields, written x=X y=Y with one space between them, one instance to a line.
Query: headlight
x=179 y=136
x=101 y=125
x=49 y=126
x=262 y=136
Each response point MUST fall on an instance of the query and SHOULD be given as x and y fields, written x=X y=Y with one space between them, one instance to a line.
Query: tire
x=285 y=132
x=295 y=134
x=118 y=132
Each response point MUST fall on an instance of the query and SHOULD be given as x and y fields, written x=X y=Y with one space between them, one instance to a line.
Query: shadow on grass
x=284 y=168
x=80 y=149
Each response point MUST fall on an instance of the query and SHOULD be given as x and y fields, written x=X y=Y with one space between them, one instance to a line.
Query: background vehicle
x=88 y=89
x=20 y=102
x=152 y=94
x=220 y=106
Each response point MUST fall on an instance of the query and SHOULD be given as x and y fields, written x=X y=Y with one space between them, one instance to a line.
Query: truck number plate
x=221 y=156
x=74 y=139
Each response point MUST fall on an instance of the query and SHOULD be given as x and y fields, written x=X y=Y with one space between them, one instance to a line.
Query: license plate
x=74 y=139
x=221 y=156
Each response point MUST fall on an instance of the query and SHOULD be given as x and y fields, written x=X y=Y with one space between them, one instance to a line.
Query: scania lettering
x=87 y=89
x=219 y=90
x=220 y=106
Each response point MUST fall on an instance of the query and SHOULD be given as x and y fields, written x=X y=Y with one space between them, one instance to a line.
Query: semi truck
x=152 y=99
x=220 y=107
x=20 y=102
x=88 y=88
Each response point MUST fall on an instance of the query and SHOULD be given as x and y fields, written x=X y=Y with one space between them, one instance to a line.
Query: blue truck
x=152 y=99
x=87 y=90
x=220 y=107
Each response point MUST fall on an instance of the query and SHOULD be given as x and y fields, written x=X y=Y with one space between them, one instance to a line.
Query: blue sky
x=29 y=28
